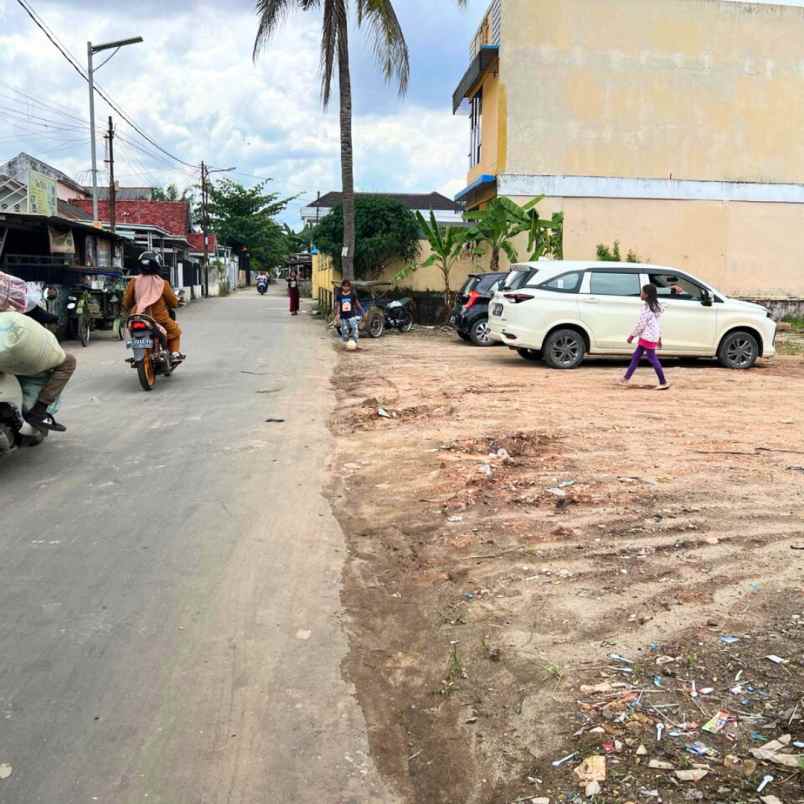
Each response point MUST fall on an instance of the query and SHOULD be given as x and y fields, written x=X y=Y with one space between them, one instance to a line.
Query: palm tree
x=391 y=50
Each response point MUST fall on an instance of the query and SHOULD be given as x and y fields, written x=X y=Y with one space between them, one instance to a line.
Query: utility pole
x=205 y=171
x=112 y=186
x=91 y=69
x=205 y=226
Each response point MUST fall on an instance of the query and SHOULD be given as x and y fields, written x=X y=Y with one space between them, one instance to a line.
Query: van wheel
x=479 y=333
x=564 y=349
x=534 y=355
x=738 y=350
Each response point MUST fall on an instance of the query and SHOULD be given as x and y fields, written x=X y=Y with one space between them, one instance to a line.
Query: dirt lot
x=544 y=564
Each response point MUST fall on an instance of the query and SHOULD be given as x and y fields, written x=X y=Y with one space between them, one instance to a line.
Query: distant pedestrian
x=649 y=332
x=293 y=291
x=348 y=312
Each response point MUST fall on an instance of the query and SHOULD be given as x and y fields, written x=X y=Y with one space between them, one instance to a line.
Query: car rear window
x=486 y=282
x=612 y=283
x=468 y=285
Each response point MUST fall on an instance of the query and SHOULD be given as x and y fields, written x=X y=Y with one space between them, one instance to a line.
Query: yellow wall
x=423 y=279
x=744 y=249
x=491 y=122
x=696 y=89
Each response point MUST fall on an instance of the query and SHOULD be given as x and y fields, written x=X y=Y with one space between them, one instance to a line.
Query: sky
x=193 y=88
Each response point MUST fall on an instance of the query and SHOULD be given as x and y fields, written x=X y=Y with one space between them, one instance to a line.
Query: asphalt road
x=170 y=627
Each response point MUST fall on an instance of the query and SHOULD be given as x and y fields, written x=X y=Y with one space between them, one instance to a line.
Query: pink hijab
x=13 y=294
x=148 y=290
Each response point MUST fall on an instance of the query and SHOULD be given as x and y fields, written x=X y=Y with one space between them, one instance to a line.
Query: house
x=445 y=210
x=52 y=244
x=160 y=226
x=669 y=125
x=22 y=164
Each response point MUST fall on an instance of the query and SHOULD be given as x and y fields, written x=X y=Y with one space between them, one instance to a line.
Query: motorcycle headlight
x=71 y=306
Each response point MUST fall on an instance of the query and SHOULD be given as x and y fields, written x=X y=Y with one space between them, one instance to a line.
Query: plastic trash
x=592 y=769
x=694 y=775
x=718 y=722
x=766 y=780
x=729 y=640
x=559 y=762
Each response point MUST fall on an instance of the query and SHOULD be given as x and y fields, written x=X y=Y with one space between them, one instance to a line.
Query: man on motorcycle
x=149 y=294
x=14 y=298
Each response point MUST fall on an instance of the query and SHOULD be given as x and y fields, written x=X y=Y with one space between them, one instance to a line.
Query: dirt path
x=510 y=527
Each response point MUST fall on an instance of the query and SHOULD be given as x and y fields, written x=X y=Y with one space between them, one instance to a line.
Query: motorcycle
x=151 y=355
x=15 y=432
x=398 y=315
x=262 y=286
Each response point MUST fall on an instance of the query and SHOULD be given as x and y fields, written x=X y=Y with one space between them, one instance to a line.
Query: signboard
x=42 y=198
x=104 y=253
x=61 y=240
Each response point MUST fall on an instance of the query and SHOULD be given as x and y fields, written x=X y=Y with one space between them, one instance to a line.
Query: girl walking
x=649 y=332
x=293 y=291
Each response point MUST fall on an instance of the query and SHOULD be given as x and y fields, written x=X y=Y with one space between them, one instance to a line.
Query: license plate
x=142 y=343
x=497 y=310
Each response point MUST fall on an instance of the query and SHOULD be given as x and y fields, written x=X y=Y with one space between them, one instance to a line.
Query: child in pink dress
x=649 y=332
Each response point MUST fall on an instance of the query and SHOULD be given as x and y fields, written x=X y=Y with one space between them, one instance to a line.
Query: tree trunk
x=347 y=162
x=495 y=258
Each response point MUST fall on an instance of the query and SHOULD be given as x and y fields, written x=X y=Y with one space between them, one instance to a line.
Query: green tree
x=390 y=47
x=386 y=231
x=244 y=217
x=447 y=245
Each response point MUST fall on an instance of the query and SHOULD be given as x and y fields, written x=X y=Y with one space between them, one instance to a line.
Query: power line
x=71 y=59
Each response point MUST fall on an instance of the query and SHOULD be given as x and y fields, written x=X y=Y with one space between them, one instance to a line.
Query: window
x=518 y=277
x=477 y=121
x=672 y=286
x=610 y=283
x=566 y=283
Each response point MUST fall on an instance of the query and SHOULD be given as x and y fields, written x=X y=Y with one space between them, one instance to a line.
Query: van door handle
x=592 y=300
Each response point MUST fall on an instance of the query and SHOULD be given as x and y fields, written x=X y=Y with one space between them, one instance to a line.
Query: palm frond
x=271 y=13
x=387 y=39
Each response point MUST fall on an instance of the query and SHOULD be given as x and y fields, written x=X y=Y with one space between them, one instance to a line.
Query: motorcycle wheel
x=405 y=322
x=84 y=331
x=146 y=372
x=376 y=325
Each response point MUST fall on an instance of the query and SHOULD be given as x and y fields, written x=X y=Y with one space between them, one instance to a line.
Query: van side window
x=566 y=283
x=671 y=286
x=611 y=283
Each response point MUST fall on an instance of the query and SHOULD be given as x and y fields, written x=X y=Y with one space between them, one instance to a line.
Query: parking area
x=511 y=527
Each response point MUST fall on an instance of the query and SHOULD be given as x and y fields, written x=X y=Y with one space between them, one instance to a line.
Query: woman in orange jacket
x=149 y=294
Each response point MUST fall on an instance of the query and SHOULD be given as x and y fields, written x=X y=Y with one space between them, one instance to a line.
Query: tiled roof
x=196 y=240
x=434 y=201
x=73 y=212
x=172 y=216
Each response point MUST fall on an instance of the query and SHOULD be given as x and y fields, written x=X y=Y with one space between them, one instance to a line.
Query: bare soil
x=511 y=528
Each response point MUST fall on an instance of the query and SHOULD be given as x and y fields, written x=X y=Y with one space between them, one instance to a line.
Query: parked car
x=470 y=315
x=566 y=310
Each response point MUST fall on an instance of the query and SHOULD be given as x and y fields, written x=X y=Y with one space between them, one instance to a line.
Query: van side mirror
x=706 y=299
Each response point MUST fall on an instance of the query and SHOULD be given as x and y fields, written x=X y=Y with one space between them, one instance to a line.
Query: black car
x=470 y=315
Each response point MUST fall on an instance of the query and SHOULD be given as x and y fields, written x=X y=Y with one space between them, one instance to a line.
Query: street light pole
x=91 y=51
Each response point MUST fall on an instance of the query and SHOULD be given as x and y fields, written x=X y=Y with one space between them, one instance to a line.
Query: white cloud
x=192 y=85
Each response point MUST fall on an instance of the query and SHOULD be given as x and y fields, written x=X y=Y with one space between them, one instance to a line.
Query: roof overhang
x=67 y=223
x=483 y=182
x=486 y=59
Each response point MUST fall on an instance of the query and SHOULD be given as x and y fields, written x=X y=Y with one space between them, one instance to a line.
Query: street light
x=91 y=51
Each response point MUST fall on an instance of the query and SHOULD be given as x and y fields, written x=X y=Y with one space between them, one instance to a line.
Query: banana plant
x=502 y=220
x=448 y=244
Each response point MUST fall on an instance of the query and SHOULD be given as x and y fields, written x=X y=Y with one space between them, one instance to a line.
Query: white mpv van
x=562 y=311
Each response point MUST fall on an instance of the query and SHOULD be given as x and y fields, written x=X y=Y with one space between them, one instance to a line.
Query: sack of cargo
x=26 y=347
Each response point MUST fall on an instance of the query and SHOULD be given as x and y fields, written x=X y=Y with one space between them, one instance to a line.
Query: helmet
x=149 y=262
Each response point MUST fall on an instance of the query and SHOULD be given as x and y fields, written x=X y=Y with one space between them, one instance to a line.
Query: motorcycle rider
x=14 y=298
x=150 y=294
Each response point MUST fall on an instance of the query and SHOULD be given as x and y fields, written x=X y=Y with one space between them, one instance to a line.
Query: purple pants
x=641 y=352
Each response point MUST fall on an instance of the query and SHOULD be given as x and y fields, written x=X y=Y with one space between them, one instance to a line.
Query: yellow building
x=672 y=126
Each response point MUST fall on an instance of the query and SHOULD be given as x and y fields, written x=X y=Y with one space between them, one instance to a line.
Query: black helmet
x=149 y=262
